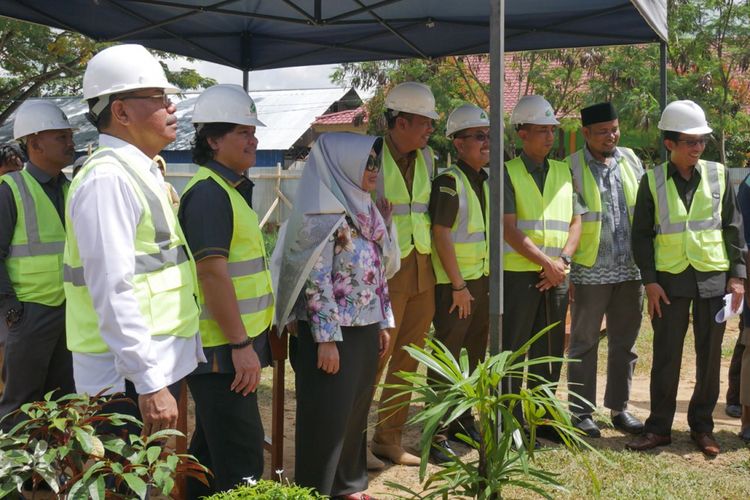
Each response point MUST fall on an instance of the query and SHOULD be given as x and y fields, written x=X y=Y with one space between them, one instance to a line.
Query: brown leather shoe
x=706 y=443
x=648 y=441
x=394 y=453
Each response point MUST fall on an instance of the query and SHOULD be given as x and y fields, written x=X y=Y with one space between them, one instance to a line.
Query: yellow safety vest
x=247 y=265
x=543 y=217
x=469 y=232
x=691 y=237
x=34 y=261
x=409 y=210
x=585 y=185
x=164 y=281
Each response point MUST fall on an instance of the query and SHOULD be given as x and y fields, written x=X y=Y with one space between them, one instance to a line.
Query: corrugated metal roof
x=287 y=115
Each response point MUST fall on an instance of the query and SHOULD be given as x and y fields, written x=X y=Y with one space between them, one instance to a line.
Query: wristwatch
x=567 y=259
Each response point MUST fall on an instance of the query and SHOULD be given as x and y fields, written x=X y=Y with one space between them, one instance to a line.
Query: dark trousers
x=228 y=437
x=622 y=303
x=36 y=358
x=469 y=333
x=526 y=311
x=735 y=367
x=331 y=441
x=669 y=338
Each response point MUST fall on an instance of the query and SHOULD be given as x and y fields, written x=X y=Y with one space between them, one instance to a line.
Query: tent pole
x=497 y=72
x=245 y=79
x=663 y=87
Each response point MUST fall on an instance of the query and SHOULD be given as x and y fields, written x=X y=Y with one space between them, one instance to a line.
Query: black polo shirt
x=207 y=219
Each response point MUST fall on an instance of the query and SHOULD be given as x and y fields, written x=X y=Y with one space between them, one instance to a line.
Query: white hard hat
x=412 y=97
x=123 y=68
x=685 y=117
x=36 y=116
x=535 y=110
x=226 y=103
x=466 y=116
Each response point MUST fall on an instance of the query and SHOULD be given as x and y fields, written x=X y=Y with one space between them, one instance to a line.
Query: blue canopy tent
x=258 y=34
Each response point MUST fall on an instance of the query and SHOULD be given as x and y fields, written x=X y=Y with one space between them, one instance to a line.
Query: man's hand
x=655 y=293
x=384 y=338
x=461 y=301
x=736 y=286
x=328 y=357
x=246 y=370
x=159 y=411
x=553 y=273
x=385 y=208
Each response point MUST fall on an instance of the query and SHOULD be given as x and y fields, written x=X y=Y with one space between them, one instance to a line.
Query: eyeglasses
x=372 y=165
x=691 y=143
x=479 y=136
x=165 y=100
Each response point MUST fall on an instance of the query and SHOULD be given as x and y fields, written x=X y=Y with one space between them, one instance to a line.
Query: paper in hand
x=726 y=312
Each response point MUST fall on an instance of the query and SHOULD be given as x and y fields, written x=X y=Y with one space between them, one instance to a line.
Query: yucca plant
x=507 y=450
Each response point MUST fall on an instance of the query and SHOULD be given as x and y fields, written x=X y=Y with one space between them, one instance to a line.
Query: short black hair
x=670 y=135
x=391 y=116
x=202 y=151
x=104 y=118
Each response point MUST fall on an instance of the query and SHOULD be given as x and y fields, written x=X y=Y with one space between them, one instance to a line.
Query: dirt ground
x=725 y=431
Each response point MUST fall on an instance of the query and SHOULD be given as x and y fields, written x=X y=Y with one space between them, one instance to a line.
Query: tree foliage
x=39 y=61
x=708 y=62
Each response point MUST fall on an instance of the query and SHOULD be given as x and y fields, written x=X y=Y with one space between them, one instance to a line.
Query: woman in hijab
x=336 y=254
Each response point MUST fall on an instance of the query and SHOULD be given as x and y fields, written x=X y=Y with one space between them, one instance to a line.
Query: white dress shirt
x=105 y=211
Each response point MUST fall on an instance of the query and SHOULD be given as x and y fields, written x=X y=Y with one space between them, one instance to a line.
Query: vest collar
x=672 y=170
x=233 y=178
x=531 y=165
x=136 y=157
x=399 y=158
x=473 y=175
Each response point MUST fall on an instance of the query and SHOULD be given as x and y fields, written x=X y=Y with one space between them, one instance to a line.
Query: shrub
x=268 y=490
x=59 y=442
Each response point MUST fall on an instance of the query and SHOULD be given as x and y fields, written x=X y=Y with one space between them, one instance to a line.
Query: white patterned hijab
x=330 y=190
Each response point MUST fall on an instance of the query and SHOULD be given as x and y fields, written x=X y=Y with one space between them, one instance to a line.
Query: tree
x=709 y=51
x=40 y=61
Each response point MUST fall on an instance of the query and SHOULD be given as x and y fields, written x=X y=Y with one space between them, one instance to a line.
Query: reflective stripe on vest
x=34 y=261
x=247 y=266
x=689 y=236
x=587 y=187
x=410 y=213
x=469 y=233
x=542 y=216
x=163 y=283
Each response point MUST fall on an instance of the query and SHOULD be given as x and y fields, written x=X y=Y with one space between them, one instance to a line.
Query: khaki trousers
x=413 y=314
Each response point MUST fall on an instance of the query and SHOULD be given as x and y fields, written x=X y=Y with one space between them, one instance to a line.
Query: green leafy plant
x=268 y=490
x=60 y=443
x=507 y=450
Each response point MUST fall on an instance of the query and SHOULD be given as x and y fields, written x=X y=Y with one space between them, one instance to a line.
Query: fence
x=272 y=196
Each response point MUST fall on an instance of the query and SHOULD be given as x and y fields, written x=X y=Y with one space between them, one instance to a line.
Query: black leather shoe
x=468 y=430
x=441 y=452
x=745 y=435
x=627 y=423
x=734 y=411
x=549 y=433
x=588 y=426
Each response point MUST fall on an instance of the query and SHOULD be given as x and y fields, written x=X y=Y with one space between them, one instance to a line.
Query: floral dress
x=346 y=287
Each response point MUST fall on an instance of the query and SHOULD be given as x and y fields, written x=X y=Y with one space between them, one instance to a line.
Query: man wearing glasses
x=688 y=242
x=460 y=253
x=130 y=284
x=604 y=279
